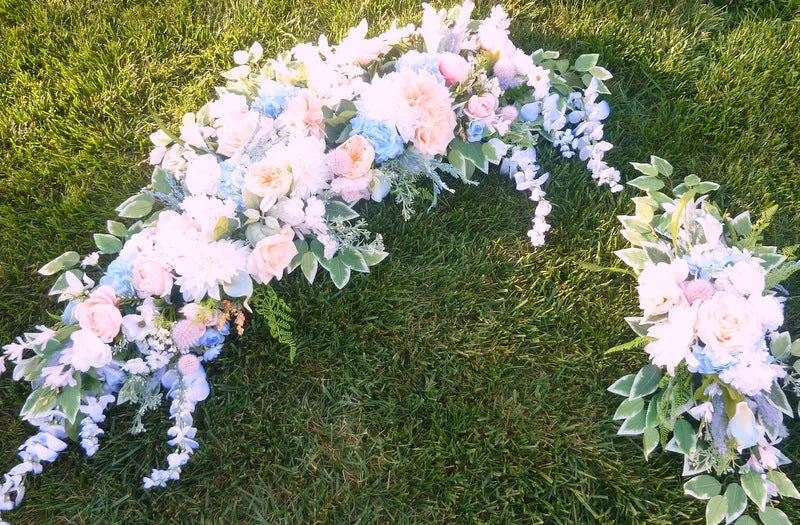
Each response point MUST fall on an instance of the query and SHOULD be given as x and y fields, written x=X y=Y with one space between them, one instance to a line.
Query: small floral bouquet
x=262 y=181
x=712 y=309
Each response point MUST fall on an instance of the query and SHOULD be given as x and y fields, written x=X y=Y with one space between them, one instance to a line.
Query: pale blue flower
x=385 y=140
x=118 y=275
x=416 y=62
x=475 y=131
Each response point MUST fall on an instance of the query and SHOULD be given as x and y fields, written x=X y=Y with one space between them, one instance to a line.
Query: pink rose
x=432 y=137
x=271 y=256
x=454 y=68
x=151 y=279
x=235 y=132
x=99 y=314
x=351 y=189
x=481 y=107
x=353 y=159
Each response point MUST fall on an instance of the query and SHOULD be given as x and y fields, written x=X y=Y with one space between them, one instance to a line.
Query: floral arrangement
x=712 y=309
x=262 y=181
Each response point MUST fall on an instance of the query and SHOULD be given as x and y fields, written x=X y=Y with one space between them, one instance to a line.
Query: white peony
x=87 y=351
x=770 y=310
x=747 y=277
x=205 y=266
x=674 y=338
x=202 y=175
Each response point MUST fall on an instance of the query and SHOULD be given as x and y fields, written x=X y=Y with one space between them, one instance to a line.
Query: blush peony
x=271 y=256
x=99 y=314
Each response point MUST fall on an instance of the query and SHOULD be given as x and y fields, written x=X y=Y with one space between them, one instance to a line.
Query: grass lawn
x=464 y=379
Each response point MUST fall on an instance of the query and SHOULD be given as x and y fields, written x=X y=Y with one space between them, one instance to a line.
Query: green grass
x=464 y=379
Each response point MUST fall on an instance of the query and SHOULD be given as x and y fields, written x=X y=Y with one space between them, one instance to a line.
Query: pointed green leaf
x=373 y=257
x=336 y=211
x=779 y=347
x=650 y=441
x=107 y=243
x=629 y=408
x=633 y=426
x=663 y=167
x=746 y=520
x=778 y=398
x=309 y=265
x=622 y=386
x=633 y=257
x=650 y=178
x=646 y=381
x=685 y=436
x=116 y=229
x=585 y=62
x=755 y=488
x=70 y=400
x=353 y=258
x=340 y=273
x=62 y=262
x=773 y=516
x=715 y=510
x=737 y=502
x=785 y=486
x=600 y=73
x=702 y=487
x=136 y=207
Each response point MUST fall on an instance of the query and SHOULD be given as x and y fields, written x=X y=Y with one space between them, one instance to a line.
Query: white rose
x=659 y=287
x=747 y=277
x=729 y=323
x=674 y=338
x=202 y=175
x=89 y=351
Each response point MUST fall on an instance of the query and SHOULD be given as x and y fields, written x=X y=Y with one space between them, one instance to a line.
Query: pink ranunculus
x=454 y=68
x=99 y=314
x=353 y=159
x=481 y=106
x=271 y=256
x=151 y=279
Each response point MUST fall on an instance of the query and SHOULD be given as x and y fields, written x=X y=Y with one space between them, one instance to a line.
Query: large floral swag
x=264 y=181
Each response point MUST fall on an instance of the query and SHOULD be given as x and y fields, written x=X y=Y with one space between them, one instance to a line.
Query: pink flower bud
x=188 y=365
x=504 y=69
x=509 y=113
x=454 y=68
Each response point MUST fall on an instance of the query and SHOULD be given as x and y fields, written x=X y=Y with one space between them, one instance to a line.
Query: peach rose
x=454 y=68
x=151 y=279
x=266 y=179
x=432 y=137
x=271 y=256
x=481 y=107
x=99 y=314
x=353 y=159
x=728 y=323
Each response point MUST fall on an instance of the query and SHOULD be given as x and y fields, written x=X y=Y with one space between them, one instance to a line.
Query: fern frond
x=781 y=273
x=277 y=316
x=639 y=342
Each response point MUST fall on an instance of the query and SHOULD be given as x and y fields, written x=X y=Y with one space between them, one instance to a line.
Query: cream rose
x=271 y=256
x=729 y=323
x=432 y=137
x=235 y=133
x=151 y=279
x=660 y=287
x=99 y=314
x=267 y=179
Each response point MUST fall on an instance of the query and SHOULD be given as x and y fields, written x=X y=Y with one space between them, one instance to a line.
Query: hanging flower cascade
x=263 y=180
x=712 y=311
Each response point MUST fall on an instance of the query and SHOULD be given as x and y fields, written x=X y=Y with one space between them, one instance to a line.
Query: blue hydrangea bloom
x=475 y=131
x=386 y=142
x=231 y=182
x=273 y=100
x=416 y=62
x=118 y=275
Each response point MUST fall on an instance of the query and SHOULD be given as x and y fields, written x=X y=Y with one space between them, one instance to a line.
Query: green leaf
x=633 y=257
x=755 y=488
x=70 y=400
x=773 y=516
x=160 y=181
x=746 y=520
x=650 y=441
x=473 y=152
x=685 y=436
x=136 y=207
x=785 y=486
x=779 y=347
x=600 y=73
x=62 y=262
x=737 y=502
x=778 y=398
x=586 y=62
x=650 y=178
x=705 y=187
x=633 y=426
x=651 y=420
x=715 y=510
x=629 y=408
x=646 y=381
x=457 y=159
x=622 y=386
x=107 y=243
x=40 y=400
x=309 y=265
x=373 y=257
x=336 y=211
x=742 y=224
x=353 y=258
x=61 y=284
x=116 y=229
x=702 y=487
x=340 y=273
x=663 y=167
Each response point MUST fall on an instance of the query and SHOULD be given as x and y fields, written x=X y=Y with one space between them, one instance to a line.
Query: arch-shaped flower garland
x=260 y=182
